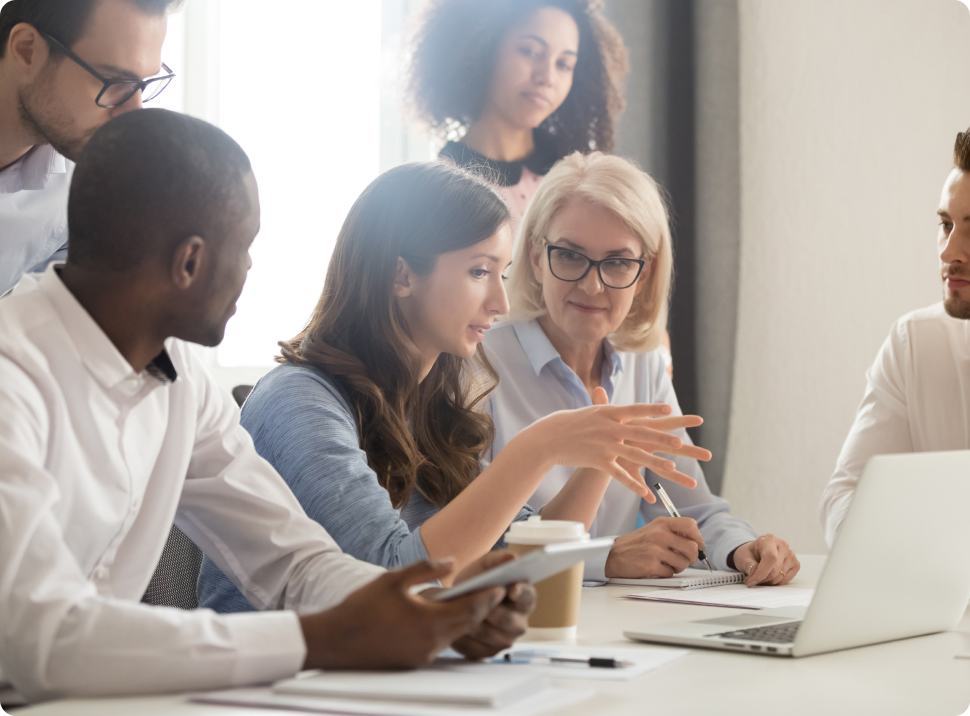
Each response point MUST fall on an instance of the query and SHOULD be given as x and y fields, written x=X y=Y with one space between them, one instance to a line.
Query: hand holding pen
x=669 y=504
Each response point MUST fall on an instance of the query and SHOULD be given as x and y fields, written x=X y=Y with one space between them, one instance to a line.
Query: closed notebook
x=434 y=685
x=690 y=578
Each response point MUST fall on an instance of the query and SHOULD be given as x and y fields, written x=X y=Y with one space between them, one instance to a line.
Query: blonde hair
x=633 y=196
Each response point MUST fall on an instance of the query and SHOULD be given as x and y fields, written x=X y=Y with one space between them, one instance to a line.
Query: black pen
x=601 y=662
x=668 y=503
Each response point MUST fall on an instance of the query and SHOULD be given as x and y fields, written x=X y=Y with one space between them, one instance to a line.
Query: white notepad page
x=495 y=687
x=736 y=596
x=690 y=578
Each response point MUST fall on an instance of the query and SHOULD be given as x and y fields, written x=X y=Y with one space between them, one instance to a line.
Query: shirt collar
x=33 y=170
x=540 y=351
x=94 y=348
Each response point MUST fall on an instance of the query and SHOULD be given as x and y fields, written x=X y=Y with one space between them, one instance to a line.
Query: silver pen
x=668 y=503
x=525 y=657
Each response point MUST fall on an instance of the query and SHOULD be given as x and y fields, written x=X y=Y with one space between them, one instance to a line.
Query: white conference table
x=912 y=677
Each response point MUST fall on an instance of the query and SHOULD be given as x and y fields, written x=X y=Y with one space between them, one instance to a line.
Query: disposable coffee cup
x=557 y=606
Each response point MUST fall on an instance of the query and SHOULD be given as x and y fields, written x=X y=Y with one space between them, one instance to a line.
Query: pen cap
x=537 y=531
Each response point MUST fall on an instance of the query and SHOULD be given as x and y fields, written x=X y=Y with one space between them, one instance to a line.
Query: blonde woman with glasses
x=588 y=295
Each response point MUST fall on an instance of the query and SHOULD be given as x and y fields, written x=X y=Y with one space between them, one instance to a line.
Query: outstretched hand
x=660 y=442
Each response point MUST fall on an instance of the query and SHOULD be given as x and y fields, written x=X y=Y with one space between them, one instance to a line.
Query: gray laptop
x=898 y=569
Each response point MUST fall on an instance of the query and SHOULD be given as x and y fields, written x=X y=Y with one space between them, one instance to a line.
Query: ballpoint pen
x=668 y=503
x=596 y=661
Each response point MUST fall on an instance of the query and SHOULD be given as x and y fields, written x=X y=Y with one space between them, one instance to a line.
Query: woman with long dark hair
x=375 y=416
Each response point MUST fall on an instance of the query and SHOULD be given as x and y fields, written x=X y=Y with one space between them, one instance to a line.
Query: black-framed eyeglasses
x=569 y=265
x=116 y=92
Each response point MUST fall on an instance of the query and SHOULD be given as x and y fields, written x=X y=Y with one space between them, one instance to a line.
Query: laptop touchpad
x=742 y=621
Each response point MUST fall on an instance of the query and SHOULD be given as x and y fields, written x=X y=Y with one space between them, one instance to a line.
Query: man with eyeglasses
x=66 y=68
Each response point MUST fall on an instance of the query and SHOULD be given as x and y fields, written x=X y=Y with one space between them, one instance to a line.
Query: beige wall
x=848 y=113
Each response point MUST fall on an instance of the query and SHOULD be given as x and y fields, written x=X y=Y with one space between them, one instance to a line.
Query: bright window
x=311 y=90
x=299 y=89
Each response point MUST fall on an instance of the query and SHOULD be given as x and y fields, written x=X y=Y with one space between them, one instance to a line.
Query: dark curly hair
x=452 y=58
x=961 y=151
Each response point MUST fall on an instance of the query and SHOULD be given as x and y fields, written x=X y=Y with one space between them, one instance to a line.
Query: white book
x=497 y=687
x=690 y=578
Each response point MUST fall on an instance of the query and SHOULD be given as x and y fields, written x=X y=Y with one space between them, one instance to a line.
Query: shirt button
x=101 y=573
x=131 y=383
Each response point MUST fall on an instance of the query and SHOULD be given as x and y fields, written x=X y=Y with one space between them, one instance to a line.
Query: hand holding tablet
x=533 y=567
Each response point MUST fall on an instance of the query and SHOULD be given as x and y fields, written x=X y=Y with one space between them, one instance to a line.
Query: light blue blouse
x=535 y=381
x=302 y=423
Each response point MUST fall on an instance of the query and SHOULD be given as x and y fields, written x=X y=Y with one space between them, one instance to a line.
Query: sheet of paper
x=736 y=596
x=535 y=705
x=645 y=659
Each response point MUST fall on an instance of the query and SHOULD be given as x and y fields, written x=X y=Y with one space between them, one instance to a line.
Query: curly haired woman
x=517 y=85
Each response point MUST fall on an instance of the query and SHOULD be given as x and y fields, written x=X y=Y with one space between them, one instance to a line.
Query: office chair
x=173 y=584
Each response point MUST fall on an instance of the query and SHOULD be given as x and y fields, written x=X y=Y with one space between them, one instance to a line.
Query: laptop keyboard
x=774 y=634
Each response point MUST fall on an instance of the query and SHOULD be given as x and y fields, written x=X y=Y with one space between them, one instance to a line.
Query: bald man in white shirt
x=111 y=429
x=917 y=396
x=66 y=68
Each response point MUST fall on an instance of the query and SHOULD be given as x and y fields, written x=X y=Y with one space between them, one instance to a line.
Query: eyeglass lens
x=570 y=266
x=120 y=92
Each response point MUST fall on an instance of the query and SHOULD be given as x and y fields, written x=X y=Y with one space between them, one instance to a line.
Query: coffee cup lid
x=536 y=530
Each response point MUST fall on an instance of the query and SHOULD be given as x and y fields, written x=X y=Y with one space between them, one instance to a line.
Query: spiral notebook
x=690 y=578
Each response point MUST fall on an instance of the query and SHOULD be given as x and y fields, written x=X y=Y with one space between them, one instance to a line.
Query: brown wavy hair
x=426 y=435
x=452 y=58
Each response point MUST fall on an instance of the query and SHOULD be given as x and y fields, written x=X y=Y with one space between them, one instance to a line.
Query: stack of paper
x=444 y=689
x=736 y=596
x=493 y=688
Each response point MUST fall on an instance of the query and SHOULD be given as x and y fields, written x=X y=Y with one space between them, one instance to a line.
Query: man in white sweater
x=917 y=396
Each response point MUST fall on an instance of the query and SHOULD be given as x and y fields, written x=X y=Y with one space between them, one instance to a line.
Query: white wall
x=848 y=114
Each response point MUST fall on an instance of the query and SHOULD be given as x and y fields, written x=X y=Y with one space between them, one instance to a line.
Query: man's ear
x=403 y=279
x=27 y=50
x=187 y=262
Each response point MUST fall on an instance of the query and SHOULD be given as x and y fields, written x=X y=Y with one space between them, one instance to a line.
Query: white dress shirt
x=535 y=381
x=917 y=399
x=33 y=213
x=96 y=462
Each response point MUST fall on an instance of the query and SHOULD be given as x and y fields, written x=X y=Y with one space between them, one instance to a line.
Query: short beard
x=49 y=127
x=957 y=307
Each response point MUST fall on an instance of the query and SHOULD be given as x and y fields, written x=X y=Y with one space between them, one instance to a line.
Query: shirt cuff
x=594 y=570
x=269 y=646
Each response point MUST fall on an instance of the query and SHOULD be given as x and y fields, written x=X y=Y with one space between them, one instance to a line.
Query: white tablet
x=534 y=567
